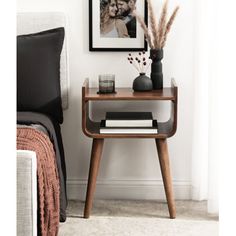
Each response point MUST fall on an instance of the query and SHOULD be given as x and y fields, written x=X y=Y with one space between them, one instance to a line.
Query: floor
x=135 y=217
x=145 y=208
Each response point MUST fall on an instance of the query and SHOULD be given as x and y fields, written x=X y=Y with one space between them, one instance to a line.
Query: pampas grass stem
x=145 y=29
x=168 y=26
x=153 y=23
x=156 y=34
x=162 y=23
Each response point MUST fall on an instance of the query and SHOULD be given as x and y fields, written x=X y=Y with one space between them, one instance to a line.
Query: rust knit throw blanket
x=48 y=182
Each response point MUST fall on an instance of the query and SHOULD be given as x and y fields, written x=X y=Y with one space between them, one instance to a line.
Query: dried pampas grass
x=162 y=23
x=145 y=30
x=168 y=26
x=157 y=35
x=153 y=24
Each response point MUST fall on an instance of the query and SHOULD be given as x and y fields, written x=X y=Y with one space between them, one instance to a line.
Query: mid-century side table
x=165 y=130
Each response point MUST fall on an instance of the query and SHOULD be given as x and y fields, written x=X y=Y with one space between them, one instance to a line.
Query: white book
x=128 y=130
x=129 y=123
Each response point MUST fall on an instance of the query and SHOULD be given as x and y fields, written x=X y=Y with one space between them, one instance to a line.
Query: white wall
x=129 y=168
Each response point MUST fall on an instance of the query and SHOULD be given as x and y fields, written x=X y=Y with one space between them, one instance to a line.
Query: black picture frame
x=97 y=43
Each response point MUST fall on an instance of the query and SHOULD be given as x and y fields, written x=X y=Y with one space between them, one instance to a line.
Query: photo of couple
x=117 y=19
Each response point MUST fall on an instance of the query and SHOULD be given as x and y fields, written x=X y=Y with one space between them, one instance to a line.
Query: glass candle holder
x=107 y=83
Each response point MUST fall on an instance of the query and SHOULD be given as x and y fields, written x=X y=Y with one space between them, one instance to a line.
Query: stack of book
x=128 y=123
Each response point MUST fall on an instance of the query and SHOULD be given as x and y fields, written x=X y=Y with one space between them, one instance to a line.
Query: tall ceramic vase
x=156 y=56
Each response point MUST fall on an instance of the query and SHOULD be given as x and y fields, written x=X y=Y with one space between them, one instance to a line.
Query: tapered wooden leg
x=162 y=150
x=93 y=172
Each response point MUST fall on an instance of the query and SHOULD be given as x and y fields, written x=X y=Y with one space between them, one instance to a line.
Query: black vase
x=142 y=83
x=156 y=68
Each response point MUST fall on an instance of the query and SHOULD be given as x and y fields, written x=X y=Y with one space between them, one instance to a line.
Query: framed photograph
x=112 y=27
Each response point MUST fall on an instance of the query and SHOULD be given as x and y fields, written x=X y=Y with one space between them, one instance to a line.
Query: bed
x=42 y=95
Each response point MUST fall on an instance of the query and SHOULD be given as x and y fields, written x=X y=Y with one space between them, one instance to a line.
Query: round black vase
x=142 y=83
x=156 y=56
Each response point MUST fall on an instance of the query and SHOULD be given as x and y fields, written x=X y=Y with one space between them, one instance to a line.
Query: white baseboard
x=128 y=189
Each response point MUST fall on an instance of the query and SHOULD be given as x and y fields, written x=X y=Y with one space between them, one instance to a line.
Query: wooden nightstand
x=165 y=130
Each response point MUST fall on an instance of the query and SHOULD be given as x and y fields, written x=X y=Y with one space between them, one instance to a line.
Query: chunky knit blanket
x=48 y=181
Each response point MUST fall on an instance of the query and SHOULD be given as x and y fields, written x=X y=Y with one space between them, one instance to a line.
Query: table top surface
x=129 y=94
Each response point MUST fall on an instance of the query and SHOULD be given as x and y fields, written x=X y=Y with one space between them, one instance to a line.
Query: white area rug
x=139 y=218
x=127 y=226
